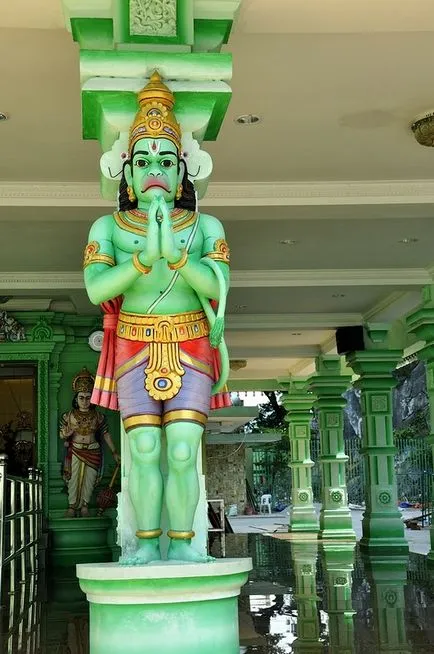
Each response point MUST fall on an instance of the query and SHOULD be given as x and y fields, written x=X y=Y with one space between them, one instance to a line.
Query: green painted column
x=383 y=529
x=421 y=323
x=298 y=402
x=387 y=577
x=338 y=564
x=304 y=556
x=328 y=385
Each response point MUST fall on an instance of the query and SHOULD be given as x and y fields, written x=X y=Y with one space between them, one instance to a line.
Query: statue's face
x=83 y=401
x=154 y=170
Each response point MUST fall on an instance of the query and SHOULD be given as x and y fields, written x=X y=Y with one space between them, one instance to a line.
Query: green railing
x=20 y=537
x=413 y=466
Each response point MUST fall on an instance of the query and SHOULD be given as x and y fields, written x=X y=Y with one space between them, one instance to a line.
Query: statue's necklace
x=136 y=221
x=84 y=420
x=141 y=217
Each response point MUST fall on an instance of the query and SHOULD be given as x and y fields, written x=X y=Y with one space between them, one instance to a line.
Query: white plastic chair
x=265 y=504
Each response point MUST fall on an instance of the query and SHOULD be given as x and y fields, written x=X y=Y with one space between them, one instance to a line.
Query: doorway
x=18 y=415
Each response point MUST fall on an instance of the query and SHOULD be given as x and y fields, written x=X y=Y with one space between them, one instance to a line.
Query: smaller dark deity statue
x=83 y=429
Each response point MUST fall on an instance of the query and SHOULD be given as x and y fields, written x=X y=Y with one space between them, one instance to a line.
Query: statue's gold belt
x=162 y=329
x=163 y=374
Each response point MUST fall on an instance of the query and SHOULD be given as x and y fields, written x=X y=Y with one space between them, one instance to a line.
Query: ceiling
x=332 y=165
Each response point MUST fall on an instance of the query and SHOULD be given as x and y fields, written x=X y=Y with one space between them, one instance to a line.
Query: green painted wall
x=58 y=344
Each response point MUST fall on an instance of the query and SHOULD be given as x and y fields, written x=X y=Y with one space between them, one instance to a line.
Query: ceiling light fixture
x=247 y=119
x=408 y=240
x=423 y=129
x=288 y=241
x=3 y=116
x=237 y=364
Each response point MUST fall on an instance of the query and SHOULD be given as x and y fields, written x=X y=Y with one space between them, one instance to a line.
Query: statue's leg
x=182 y=492
x=184 y=419
x=88 y=485
x=146 y=489
x=141 y=416
x=73 y=487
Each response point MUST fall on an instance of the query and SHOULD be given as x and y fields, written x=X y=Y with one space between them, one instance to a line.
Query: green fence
x=413 y=465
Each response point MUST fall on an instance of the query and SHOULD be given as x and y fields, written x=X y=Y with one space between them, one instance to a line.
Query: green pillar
x=383 y=529
x=304 y=556
x=338 y=564
x=298 y=402
x=387 y=577
x=421 y=323
x=328 y=385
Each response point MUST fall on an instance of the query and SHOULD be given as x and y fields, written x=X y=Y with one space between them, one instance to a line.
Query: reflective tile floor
x=300 y=597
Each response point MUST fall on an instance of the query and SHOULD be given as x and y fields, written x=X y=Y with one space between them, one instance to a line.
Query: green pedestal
x=298 y=403
x=165 y=607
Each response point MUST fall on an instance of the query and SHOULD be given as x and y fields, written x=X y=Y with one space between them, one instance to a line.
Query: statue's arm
x=104 y=431
x=103 y=277
x=197 y=274
x=66 y=430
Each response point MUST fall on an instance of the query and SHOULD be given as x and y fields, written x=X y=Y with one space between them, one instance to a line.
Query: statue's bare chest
x=83 y=423
x=130 y=236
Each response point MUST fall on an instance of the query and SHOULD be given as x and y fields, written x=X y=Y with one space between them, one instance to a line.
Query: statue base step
x=79 y=540
x=164 y=607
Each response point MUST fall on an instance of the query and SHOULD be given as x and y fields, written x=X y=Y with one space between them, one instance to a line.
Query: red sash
x=105 y=391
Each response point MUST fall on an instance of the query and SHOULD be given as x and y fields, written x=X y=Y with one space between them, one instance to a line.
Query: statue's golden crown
x=83 y=382
x=155 y=118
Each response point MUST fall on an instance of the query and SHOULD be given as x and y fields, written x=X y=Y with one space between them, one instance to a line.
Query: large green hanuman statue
x=160 y=271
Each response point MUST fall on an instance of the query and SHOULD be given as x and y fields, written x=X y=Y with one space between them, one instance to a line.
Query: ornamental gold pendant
x=164 y=371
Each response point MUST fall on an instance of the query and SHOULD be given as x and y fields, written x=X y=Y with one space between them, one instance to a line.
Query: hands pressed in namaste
x=169 y=250
x=160 y=238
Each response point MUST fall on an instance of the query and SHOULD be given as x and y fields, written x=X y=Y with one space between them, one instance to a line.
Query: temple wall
x=226 y=474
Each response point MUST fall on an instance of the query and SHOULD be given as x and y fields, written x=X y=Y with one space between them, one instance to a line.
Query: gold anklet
x=179 y=264
x=180 y=535
x=151 y=533
x=139 y=266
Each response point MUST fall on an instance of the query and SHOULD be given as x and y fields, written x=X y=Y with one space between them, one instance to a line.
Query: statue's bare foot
x=148 y=550
x=181 y=550
x=84 y=512
x=70 y=513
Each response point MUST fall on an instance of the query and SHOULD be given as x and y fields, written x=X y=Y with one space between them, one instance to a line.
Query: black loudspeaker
x=350 y=339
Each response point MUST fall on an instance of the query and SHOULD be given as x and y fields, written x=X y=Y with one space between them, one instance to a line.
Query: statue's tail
x=217 y=324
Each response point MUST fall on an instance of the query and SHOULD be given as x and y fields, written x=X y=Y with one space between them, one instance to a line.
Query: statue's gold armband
x=221 y=252
x=93 y=255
